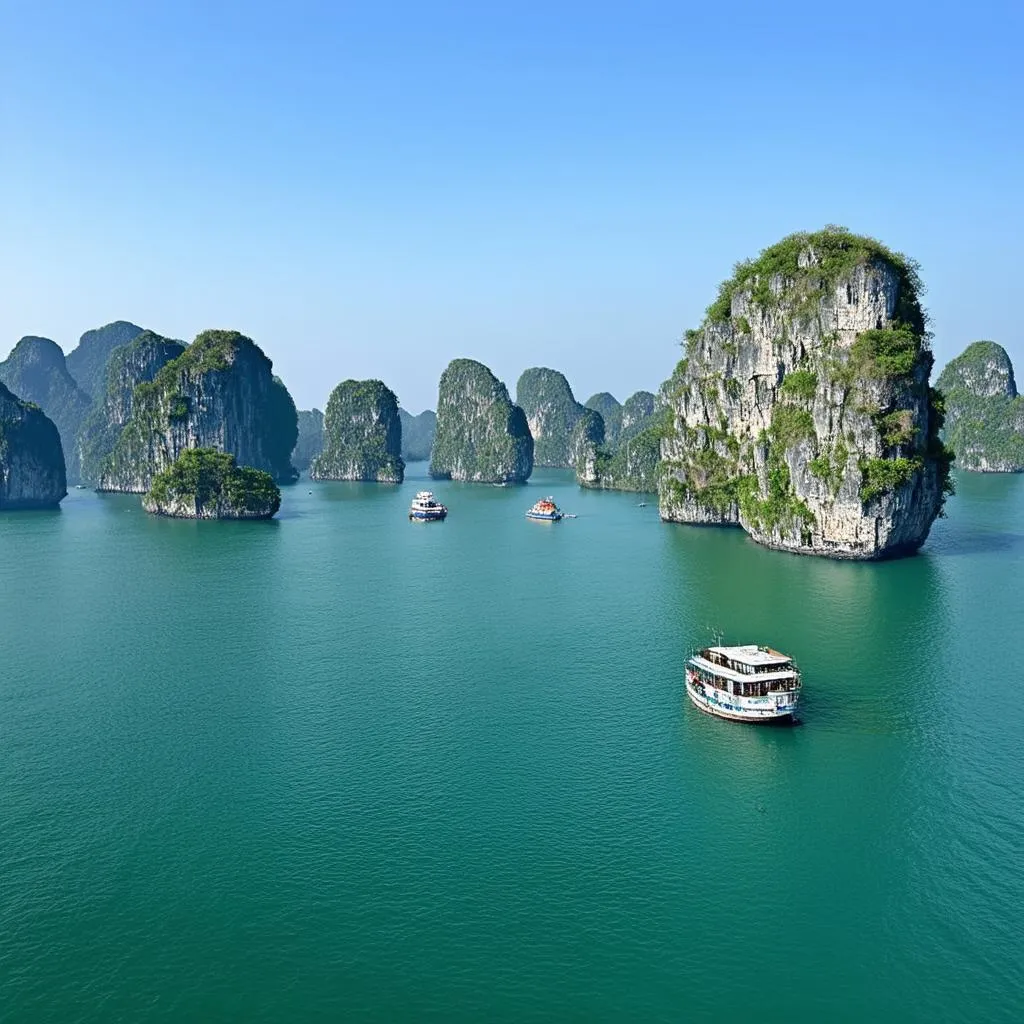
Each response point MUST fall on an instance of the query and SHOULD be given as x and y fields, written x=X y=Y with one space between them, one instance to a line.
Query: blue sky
x=371 y=190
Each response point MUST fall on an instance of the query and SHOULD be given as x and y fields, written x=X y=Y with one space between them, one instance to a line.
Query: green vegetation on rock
x=32 y=473
x=805 y=268
x=984 y=413
x=551 y=411
x=417 y=434
x=799 y=384
x=481 y=435
x=362 y=435
x=204 y=483
x=36 y=372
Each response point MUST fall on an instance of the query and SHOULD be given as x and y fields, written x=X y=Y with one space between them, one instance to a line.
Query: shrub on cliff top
x=836 y=251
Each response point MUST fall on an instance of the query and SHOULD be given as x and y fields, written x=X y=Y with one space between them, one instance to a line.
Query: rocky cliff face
x=481 y=436
x=552 y=413
x=611 y=412
x=802 y=409
x=362 y=435
x=585 y=447
x=220 y=393
x=129 y=365
x=36 y=372
x=637 y=411
x=310 y=442
x=631 y=462
x=87 y=363
x=984 y=413
x=203 y=483
x=417 y=434
x=31 y=460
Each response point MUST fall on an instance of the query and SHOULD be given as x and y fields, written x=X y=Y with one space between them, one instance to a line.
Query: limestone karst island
x=801 y=409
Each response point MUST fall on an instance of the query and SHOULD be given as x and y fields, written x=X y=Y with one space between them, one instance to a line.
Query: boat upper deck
x=742 y=662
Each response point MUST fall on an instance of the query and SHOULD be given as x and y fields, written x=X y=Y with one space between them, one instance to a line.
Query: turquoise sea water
x=341 y=766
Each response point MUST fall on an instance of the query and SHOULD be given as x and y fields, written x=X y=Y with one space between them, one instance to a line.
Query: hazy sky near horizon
x=371 y=190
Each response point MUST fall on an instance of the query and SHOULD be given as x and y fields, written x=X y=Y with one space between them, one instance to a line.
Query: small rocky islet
x=801 y=412
x=204 y=483
x=481 y=436
x=984 y=412
x=362 y=435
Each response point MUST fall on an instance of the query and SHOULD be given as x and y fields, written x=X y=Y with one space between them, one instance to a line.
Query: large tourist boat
x=426 y=508
x=746 y=684
x=545 y=509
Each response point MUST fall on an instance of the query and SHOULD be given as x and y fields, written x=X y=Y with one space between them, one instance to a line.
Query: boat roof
x=751 y=654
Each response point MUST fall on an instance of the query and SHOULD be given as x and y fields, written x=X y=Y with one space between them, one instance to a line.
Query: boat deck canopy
x=751 y=654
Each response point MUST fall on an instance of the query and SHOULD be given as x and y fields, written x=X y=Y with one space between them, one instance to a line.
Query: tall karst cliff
x=36 y=372
x=310 y=442
x=481 y=436
x=585 y=447
x=552 y=413
x=417 y=434
x=611 y=413
x=31 y=459
x=87 y=362
x=802 y=410
x=362 y=435
x=984 y=413
x=127 y=366
x=219 y=393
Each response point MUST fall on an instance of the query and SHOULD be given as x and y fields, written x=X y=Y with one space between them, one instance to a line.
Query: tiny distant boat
x=425 y=508
x=745 y=684
x=545 y=509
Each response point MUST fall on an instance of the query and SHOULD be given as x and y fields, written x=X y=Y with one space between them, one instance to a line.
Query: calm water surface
x=341 y=765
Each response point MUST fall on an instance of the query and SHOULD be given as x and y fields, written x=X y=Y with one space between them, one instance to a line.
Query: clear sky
x=372 y=189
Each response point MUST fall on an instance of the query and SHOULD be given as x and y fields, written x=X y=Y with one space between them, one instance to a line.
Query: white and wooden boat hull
x=742 y=709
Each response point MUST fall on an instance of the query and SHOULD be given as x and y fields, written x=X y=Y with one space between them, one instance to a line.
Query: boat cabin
x=748 y=671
